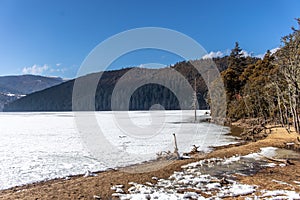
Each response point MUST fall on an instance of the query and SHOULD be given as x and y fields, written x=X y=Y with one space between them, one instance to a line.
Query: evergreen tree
x=236 y=66
x=258 y=93
x=233 y=81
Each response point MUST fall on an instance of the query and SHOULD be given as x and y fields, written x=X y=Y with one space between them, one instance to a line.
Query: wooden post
x=195 y=100
x=176 y=148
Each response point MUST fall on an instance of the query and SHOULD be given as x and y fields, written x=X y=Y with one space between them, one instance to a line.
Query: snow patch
x=281 y=194
x=190 y=183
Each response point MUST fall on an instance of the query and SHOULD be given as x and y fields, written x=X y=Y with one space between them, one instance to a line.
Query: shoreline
x=80 y=187
x=235 y=133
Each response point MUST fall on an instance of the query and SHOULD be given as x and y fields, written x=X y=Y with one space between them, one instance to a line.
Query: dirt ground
x=79 y=187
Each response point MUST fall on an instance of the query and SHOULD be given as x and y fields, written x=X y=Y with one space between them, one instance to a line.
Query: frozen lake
x=41 y=146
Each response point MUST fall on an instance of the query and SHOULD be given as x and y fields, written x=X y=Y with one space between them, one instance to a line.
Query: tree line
x=267 y=89
x=59 y=98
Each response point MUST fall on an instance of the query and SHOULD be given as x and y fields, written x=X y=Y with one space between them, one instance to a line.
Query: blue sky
x=53 y=37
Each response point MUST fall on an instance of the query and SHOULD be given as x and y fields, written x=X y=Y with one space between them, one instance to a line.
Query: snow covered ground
x=41 y=146
x=192 y=183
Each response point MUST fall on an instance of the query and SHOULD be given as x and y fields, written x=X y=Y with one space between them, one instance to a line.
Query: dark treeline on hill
x=59 y=98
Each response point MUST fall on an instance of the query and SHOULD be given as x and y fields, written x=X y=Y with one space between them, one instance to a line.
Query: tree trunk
x=279 y=107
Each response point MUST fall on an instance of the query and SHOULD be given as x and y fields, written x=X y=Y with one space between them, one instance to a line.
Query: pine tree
x=236 y=66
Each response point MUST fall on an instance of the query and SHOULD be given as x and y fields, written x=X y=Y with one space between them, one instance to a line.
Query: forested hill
x=269 y=90
x=59 y=98
x=14 y=87
x=26 y=84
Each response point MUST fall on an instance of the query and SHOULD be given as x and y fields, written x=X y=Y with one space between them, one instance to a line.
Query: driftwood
x=285 y=161
x=176 y=148
x=255 y=133
x=168 y=155
x=195 y=149
x=222 y=181
x=289 y=145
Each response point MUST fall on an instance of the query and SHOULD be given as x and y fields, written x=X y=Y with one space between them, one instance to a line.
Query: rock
x=89 y=173
x=97 y=197
x=119 y=190
x=119 y=186
x=113 y=188
x=148 y=197
x=131 y=189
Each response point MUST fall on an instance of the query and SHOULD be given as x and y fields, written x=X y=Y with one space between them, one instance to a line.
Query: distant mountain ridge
x=15 y=87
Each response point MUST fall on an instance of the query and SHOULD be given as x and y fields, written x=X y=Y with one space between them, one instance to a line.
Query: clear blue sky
x=52 y=37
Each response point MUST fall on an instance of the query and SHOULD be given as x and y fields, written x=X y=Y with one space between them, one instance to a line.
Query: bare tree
x=289 y=63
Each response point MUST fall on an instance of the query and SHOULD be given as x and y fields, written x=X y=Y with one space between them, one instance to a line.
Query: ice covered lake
x=42 y=146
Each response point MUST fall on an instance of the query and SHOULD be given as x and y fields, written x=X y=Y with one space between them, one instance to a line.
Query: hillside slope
x=59 y=98
x=14 y=87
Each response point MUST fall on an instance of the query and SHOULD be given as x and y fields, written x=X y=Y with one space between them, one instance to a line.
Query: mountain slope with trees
x=59 y=98
x=269 y=89
x=14 y=87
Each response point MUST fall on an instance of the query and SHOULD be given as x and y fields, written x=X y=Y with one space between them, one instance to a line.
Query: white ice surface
x=40 y=146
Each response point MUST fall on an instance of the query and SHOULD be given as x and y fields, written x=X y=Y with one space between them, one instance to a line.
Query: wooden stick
x=287 y=161
x=176 y=148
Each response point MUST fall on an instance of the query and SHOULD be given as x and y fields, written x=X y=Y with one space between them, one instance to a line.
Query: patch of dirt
x=277 y=178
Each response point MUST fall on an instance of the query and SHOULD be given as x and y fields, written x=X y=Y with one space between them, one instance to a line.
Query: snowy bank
x=192 y=183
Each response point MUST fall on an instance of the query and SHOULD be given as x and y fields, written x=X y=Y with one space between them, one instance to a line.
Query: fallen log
x=285 y=161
